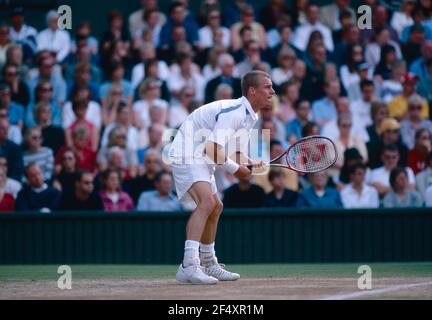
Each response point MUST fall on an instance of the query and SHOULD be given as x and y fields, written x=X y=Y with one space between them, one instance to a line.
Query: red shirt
x=417 y=160
x=7 y=203
x=86 y=160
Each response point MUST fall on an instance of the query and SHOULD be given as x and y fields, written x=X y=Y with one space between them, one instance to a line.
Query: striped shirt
x=44 y=158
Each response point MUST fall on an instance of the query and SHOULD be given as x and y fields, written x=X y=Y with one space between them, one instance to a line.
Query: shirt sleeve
x=226 y=125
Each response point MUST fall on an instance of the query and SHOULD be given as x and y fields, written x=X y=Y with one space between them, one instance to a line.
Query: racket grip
x=249 y=166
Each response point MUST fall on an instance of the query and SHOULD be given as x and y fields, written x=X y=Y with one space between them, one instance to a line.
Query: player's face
x=264 y=93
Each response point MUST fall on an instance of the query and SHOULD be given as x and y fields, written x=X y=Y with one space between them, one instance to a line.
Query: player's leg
x=190 y=270
x=207 y=247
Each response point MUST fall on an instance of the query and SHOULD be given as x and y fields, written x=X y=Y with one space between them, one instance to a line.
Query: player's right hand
x=243 y=172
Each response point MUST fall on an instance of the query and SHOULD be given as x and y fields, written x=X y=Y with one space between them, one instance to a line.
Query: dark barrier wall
x=244 y=237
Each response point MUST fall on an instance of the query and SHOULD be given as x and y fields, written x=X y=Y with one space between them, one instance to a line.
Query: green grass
x=49 y=272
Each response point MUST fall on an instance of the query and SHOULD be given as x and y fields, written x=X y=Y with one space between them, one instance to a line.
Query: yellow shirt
x=291 y=181
x=398 y=107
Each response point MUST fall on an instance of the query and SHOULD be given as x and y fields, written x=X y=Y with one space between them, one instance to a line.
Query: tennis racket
x=308 y=155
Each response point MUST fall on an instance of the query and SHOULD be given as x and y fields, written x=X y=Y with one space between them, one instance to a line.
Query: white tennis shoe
x=217 y=270
x=194 y=274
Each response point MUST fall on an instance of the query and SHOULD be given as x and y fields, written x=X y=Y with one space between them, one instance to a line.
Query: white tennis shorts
x=185 y=175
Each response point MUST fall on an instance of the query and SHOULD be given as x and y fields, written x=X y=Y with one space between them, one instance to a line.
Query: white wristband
x=230 y=166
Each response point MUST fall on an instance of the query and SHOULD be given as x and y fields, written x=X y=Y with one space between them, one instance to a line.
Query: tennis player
x=194 y=155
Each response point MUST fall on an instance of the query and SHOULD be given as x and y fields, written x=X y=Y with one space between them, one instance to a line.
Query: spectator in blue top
x=318 y=195
x=116 y=73
x=11 y=151
x=294 y=127
x=178 y=17
x=161 y=199
x=324 y=109
x=15 y=110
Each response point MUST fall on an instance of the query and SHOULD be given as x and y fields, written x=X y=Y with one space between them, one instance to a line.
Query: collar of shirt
x=248 y=106
x=39 y=190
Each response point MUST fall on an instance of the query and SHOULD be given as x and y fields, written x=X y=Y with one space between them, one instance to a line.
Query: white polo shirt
x=367 y=198
x=220 y=122
x=382 y=175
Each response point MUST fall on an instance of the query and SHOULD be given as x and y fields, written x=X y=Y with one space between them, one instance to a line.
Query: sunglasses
x=11 y=74
x=45 y=89
x=35 y=137
x=415 y=107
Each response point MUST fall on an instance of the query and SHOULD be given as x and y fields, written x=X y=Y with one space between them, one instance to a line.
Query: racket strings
x=311 y=155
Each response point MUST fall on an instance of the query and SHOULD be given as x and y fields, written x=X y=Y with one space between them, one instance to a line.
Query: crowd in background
x=82 y=115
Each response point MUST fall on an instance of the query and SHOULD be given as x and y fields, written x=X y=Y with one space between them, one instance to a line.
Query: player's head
x=257 y=88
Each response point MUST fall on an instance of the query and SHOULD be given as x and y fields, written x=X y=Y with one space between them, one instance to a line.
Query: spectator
x=112 y=104
x=378 y=113
x=226 y=65
x=208 y=32
x=329 y=14
x=14 y=56
x=150 y=30
x=53 y=136
x=399 y=105
x=361 y=109
x=136 y=21
x=412 y=49
x=11 y=186
x=20 y=93
x=84 y=197
x=113 y=198
x=272 y=12
x=319 y=196
x=251 y=60
x=403 y=18
x=422 y=147
x=53 y=39
x=401 y=195
x=11 y=151
x=379 y=22
x=280 y=196
x=22 y=33
x=324 y=109
x=418 y=67
x=424 y=87
x=81 y=78
x=380 y=177
x=281 y=42
x=389 y=134
x=303 y=31
x=283 y=72
x=116 y=34
x=161 y=199
x=357 y=194
x=83 y=38
x=388 y=56
x=82 y=65
x=414 y=122
x=116 y=77
x=223 y=92
x=14 y=132
x=43 y=94
x=267 y=114
x=243 y=194
x=5 y=43
x=7 y=201
x=424 y=178
x=348 y=71
x=15 y=110
x=179 y=112
x=34 y=152
x=392 y=87
x=247 y=19
x=65 y=179
x=36 y=195
x=295 y=127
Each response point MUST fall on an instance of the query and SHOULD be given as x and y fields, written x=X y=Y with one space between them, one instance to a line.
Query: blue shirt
x=324 y=109
x=15 y=113
x=309 y=199
x=56 y=115
x=294 y=128
x=126 y=85
x=59 y=88
x=153 y=201
x=190 y=26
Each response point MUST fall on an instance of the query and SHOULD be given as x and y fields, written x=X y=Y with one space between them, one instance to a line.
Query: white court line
x=344 y=296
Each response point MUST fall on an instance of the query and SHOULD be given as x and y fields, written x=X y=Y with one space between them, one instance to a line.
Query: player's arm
x=243 y=158
x=216 y=153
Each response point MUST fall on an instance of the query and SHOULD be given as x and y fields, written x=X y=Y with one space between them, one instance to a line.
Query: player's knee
x=207 y=206
x=218 y=207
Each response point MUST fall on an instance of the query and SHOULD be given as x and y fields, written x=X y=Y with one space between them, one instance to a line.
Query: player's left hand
x=257 y=165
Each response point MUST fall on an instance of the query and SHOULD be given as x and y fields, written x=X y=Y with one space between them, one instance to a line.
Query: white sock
x=207 y=254
x=191 y=253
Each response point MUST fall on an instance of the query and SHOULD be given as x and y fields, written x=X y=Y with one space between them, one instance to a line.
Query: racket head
x=311 y=154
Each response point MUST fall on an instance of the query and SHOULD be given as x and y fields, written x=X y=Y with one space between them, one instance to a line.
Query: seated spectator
x=84 y=197
x=280 y=196
x=403 y=18
x=319 y=196
x=414 y=122
x=22 y=33
x=137 y=19
x=43 y=94
x=295 y=127
x=392 y=87
x=15 y=110
x=7 y=200
x=244 y=194
x=112 y=104
x=20 y=92
x=424 y=87
x=34 y=152
x=11 y=151
x=268 y=115
x=117 y=138
x=12 y=186
x=178 y=113
x=422 y=147
x=207 y=33
x=37 y=195
x=161 y=199
x=252 y=58
x=53 y=136
x=401 y=195
x=116 y=76
x=155 y=133
x=388 y=57
x=86 y=157
x=115 y=33
x=82 y=78
x=283 y=72
x=113 y=198
x=54 y=39
x=65 y=179
x=389 y=134
x=14 y=132
x=150 y=94
x=223 y=92
x=247 y=19
x=80 y=107
x=289 y=94
x=145 y=180
x=380 y=41
x=378 y=113
x=324 y=109
x=361 y=108
x=357 y=194
x=380 y=177
x=398 y=107
x=226 y=66
x=424 y=178
x=351 y=157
